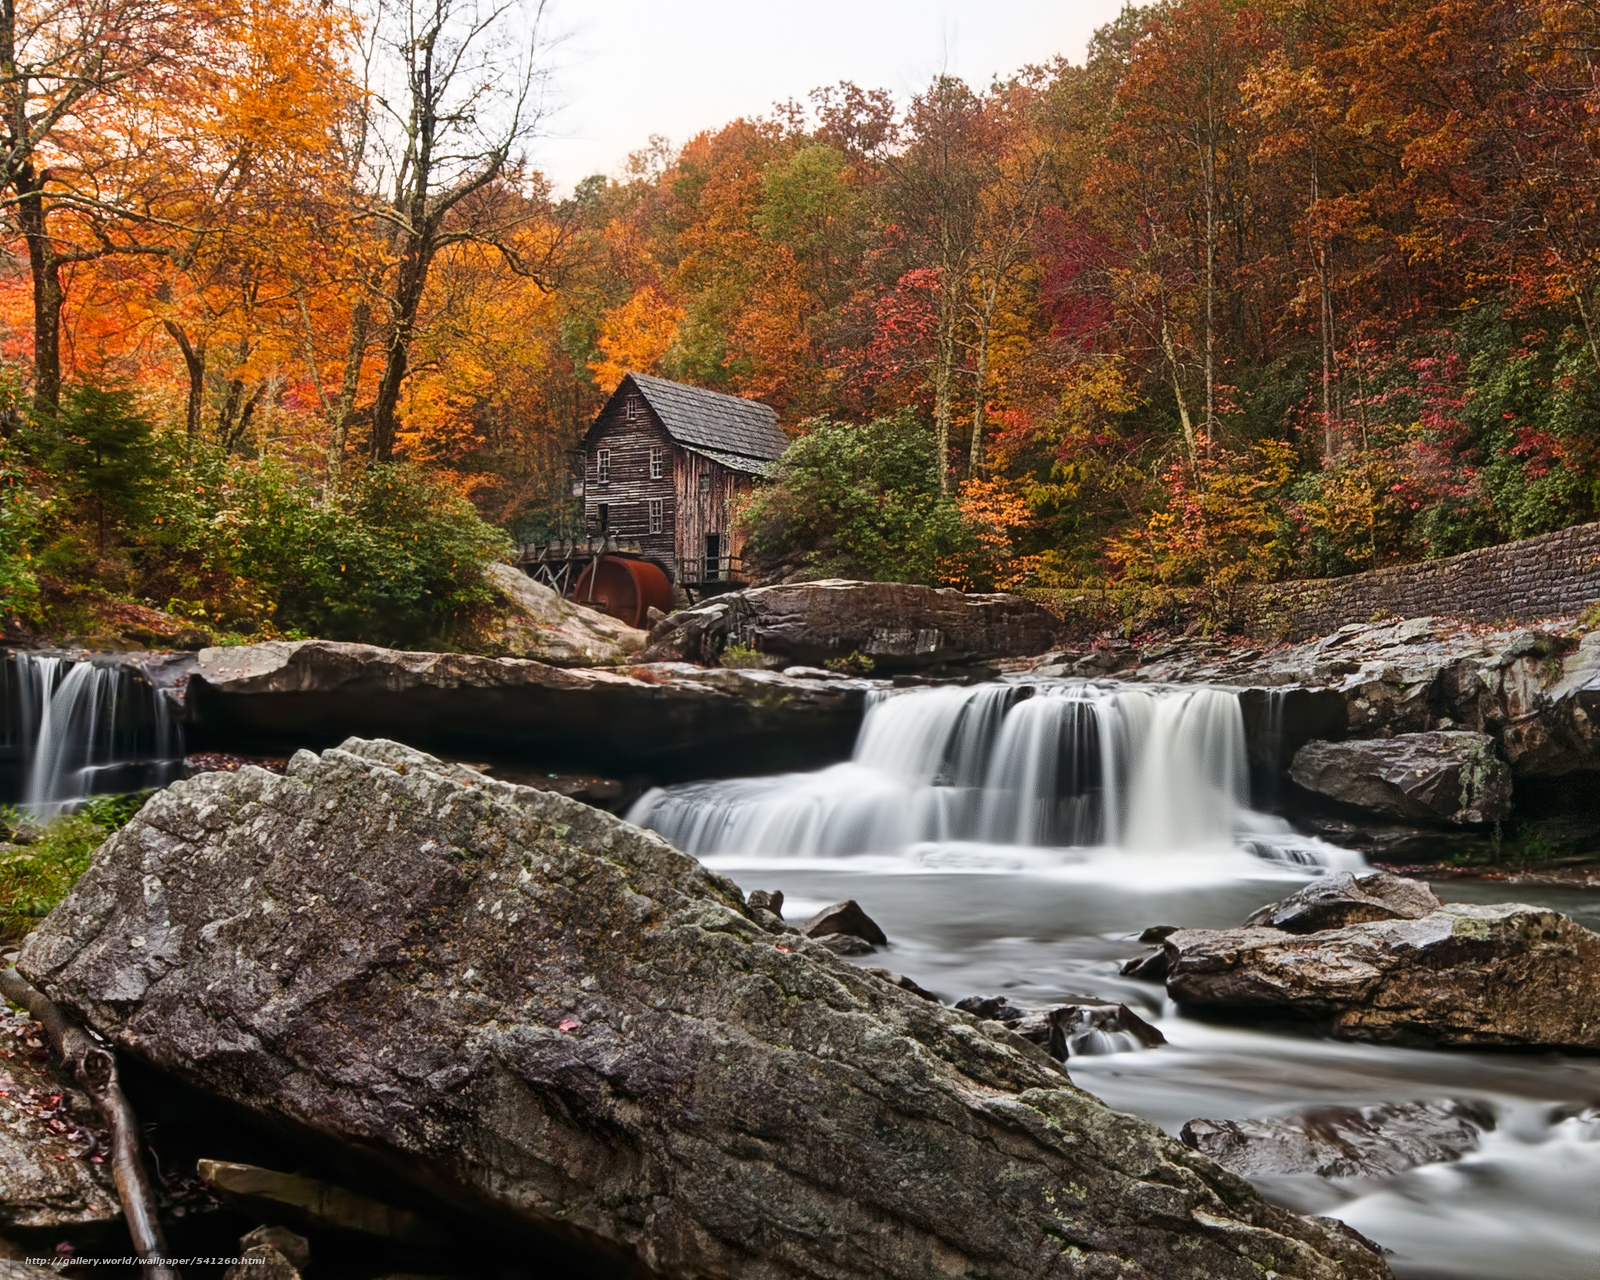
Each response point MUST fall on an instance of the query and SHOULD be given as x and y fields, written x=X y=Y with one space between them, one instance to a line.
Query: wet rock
x=49 y=1135
x=1453 y=776
x=1342 y=899
x=1146 y=968
x=270 y=1253
x=898 y=626
x=1344 y=1142
x=772 y=901
x=667 y=722
x=14 y=1270
x=847 y=918
x=543 y=625
x=846 y=944
x=1085 y=1028
x=1464 y=974
x=608 y=1049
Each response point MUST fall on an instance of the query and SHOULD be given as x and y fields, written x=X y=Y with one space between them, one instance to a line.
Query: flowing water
x=1015 y=838
x=74 y=727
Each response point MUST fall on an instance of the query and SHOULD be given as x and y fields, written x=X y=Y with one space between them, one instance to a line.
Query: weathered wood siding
x=705 y=495
x=630 y=488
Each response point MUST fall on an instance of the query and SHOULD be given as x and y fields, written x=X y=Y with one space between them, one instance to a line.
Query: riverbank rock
x=540 y=624
x=1344 y=1142
x=667 y=721
x=1084 y=1028
x=539 y=1014
x=896 y=626
x=1334 y=901
x=47 y=1135
x=1461 y=974
x=1455 y=776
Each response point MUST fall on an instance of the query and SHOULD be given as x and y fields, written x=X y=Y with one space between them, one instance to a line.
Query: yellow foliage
x=635 y=336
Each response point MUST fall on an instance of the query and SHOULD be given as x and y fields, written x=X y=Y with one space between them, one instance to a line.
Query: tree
x=465 y=96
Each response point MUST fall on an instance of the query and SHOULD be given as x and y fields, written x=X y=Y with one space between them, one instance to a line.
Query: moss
x=36 y=875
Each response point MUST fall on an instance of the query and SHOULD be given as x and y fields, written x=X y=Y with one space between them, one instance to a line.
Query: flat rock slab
x=1450 y=776
x=667 y=721
x=1344 y=1142
x=899 y=626
x=1342 y=899
x=540 y=1012
x=1465 y=974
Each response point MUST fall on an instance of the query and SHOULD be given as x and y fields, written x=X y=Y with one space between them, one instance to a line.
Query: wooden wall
x=696 y=493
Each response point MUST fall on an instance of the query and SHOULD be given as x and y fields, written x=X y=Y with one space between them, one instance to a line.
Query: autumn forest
x=293 y=328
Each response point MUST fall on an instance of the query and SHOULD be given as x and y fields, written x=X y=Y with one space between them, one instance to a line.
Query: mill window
x=655 y=463
x=705 y=482
x=655 y=515
x=602 y=466
x=633 y=408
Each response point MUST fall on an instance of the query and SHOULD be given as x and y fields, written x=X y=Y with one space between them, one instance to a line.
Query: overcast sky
x=626 y=69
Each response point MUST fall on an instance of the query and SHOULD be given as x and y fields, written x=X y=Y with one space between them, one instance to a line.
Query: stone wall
x=1553 y=575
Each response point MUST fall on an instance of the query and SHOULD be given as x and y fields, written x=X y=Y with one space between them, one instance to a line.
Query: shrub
x=37 y=875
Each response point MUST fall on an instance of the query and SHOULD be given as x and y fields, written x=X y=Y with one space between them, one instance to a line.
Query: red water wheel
x=626 y=589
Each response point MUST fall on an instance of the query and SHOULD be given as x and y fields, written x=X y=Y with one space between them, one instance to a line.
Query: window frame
x=657 y=515
x=631 y=410
x=657 y=462
x=602 y=466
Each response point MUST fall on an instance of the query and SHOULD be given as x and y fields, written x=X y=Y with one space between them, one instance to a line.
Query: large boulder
x=540 y=1013
x=663 y=721
x=899 y=626
x=1454 y=776
x=1461 y=974
x=539 y=623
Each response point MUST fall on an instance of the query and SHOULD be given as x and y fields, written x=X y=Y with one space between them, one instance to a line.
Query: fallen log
x=95 y=1069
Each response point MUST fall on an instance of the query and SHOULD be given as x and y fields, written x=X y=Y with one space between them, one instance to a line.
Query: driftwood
x=95 y=1068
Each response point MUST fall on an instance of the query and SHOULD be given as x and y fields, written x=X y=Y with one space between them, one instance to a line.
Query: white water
x=82 y=728
x=1083 y=780
x=1015 y=839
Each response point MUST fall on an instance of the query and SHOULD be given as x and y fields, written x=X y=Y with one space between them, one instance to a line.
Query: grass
x=36 y=875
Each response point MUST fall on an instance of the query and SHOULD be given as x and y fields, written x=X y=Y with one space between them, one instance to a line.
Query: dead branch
x=95 y=1068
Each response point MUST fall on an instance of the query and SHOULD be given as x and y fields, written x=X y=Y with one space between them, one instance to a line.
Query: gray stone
x=540 y=624
x=667 y=721
x=899 y=626
x=1455 y=777
x=1344 y=1142
x=845 y=917
x=1510 y=975
x=611 y=1049
x=1338 y=900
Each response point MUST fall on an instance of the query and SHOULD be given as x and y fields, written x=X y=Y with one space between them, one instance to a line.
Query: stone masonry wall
x=1553 y=575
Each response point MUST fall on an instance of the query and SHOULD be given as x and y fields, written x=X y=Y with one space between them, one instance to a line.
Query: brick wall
x=1553 y=575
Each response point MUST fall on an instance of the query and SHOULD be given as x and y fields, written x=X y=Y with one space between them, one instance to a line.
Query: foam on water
x=1067 y=779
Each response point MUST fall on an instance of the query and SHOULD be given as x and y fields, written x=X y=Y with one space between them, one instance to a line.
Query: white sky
x=626 y=69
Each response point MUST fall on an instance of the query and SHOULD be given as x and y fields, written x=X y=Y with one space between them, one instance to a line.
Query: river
x=1015 y=839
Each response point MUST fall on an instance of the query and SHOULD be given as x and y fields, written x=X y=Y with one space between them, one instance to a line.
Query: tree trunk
x=403 y=313
x=1211 y=278
x=194 y=359
x=975 y=459
x=943 y=378
x=360 y=319
x=1183 y=405
x=48 y=294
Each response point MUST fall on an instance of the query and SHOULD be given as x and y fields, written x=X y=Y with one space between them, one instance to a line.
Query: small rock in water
x=1087 y=1028
x=1344 y=1142
x=772 y=902
x=1340 y=900
x=1150 y=968
x=845 y=917
x=1158 y=932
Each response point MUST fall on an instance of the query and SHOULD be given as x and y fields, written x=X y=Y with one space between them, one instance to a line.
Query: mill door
x=713 y=557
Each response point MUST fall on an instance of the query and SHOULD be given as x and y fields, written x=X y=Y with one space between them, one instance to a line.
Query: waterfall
x=76 y=727
x=1061 y=765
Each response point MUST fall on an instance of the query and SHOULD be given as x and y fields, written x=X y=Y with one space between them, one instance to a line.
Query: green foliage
x=36 y=875
x=740 y=657
x=393 y=558
x=20 y=513
x=854 y=663
x=101 y=451
x=858 y=501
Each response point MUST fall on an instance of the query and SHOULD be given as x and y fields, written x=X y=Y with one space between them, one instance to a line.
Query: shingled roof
x=712 y=422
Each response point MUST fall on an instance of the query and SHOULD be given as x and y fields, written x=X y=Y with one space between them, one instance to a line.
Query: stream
x=1015 y=839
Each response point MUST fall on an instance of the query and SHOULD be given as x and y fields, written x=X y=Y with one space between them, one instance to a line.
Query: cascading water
x=75 y=727
x=945 y=774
